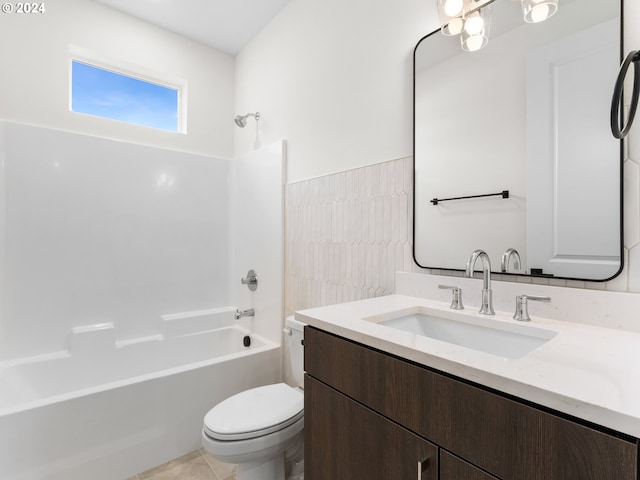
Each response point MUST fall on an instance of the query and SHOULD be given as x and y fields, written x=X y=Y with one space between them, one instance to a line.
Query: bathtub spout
x=250 y=312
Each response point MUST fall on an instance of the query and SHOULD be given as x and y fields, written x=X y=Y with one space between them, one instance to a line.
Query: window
x=109 y=93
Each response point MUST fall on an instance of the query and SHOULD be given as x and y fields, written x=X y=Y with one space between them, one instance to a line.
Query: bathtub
x=105 y=409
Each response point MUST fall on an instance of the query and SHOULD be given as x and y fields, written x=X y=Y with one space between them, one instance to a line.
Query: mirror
x=527 y=115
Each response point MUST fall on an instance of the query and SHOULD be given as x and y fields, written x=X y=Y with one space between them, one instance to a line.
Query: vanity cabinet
x=370 y=415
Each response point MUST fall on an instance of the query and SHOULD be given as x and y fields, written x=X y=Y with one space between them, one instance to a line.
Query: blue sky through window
x=108 y=94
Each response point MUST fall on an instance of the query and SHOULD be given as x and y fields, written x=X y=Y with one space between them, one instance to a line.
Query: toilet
x=260 y=427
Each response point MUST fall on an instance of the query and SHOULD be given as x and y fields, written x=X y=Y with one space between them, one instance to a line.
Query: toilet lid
x=255 y=412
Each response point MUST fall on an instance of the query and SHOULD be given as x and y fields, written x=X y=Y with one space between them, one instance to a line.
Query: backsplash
x=347 y=233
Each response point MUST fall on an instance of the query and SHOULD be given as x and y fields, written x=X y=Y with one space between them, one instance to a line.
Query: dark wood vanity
x=370 y=415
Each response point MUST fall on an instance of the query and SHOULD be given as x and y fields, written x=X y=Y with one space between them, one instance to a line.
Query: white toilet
x=257 y=428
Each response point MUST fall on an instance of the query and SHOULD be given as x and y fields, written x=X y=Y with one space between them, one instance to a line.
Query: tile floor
x=197 y=465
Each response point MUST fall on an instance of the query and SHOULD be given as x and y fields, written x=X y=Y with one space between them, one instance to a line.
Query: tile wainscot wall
x=348 y=233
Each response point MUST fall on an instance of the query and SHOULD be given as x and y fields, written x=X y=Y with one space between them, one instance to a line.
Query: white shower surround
x=98 y=231
x=120 y=269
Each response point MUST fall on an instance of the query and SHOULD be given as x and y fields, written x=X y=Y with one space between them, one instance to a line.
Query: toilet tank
x=294 y=351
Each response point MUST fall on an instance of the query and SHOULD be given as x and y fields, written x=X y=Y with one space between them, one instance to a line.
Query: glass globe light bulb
x=453 y=8
x=455 y=26
x=474 y=43
x=474 y=24
x=536 y=11
x=539 y=13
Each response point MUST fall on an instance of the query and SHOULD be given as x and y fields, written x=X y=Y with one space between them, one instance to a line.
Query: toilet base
x=294 y=460
x=260 y=458
x=272 y=469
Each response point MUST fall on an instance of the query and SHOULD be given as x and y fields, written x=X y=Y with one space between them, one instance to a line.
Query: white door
x=573 y=161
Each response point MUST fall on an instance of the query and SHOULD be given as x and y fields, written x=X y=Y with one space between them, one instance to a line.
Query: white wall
x=334 y=78
x=34 y=84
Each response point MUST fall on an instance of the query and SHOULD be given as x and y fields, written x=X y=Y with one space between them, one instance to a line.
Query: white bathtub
x=106 y=410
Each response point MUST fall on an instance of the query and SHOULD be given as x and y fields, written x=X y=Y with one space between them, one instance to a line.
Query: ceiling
x=226 y=25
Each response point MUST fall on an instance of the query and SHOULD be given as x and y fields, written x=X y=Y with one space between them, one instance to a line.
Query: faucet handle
x=456 y=296
x=522 y=311
x=251 y=280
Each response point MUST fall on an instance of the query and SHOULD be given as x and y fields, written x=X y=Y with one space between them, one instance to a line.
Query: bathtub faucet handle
x=249 y=312
x=251 y=280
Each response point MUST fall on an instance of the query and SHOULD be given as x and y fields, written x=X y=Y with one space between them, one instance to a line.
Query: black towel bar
x=503 y=194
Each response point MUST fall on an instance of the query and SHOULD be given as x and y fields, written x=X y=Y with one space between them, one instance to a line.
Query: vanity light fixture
x=468 y=18
x=471 y=18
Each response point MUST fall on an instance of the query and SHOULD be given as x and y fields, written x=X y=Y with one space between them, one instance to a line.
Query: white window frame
x=95 y=59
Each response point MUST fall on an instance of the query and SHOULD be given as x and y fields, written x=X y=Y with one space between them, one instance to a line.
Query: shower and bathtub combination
x=121 y=277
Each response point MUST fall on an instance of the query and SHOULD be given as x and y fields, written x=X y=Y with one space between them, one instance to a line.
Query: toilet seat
x=254 y=449
x=254 y=413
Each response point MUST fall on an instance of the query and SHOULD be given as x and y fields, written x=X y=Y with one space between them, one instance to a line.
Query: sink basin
x=483 y=334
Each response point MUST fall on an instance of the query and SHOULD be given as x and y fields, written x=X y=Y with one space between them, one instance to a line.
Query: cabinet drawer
x=347 y=441
x=509 y=439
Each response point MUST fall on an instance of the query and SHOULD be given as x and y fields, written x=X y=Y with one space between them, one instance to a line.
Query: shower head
x=241 y=120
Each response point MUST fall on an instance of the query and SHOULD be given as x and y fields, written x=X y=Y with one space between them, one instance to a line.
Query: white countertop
x=588 y=371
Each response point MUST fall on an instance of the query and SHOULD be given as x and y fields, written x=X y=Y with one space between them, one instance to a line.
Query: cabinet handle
x=422 y=466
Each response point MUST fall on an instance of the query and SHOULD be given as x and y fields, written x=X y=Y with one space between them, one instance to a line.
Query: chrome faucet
x=487 y=301
x=506 y=256
x=251 y=280
x=250 y=312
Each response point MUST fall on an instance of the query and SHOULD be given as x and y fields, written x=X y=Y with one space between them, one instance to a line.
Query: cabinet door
x=453 y=468
x=345 y=440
